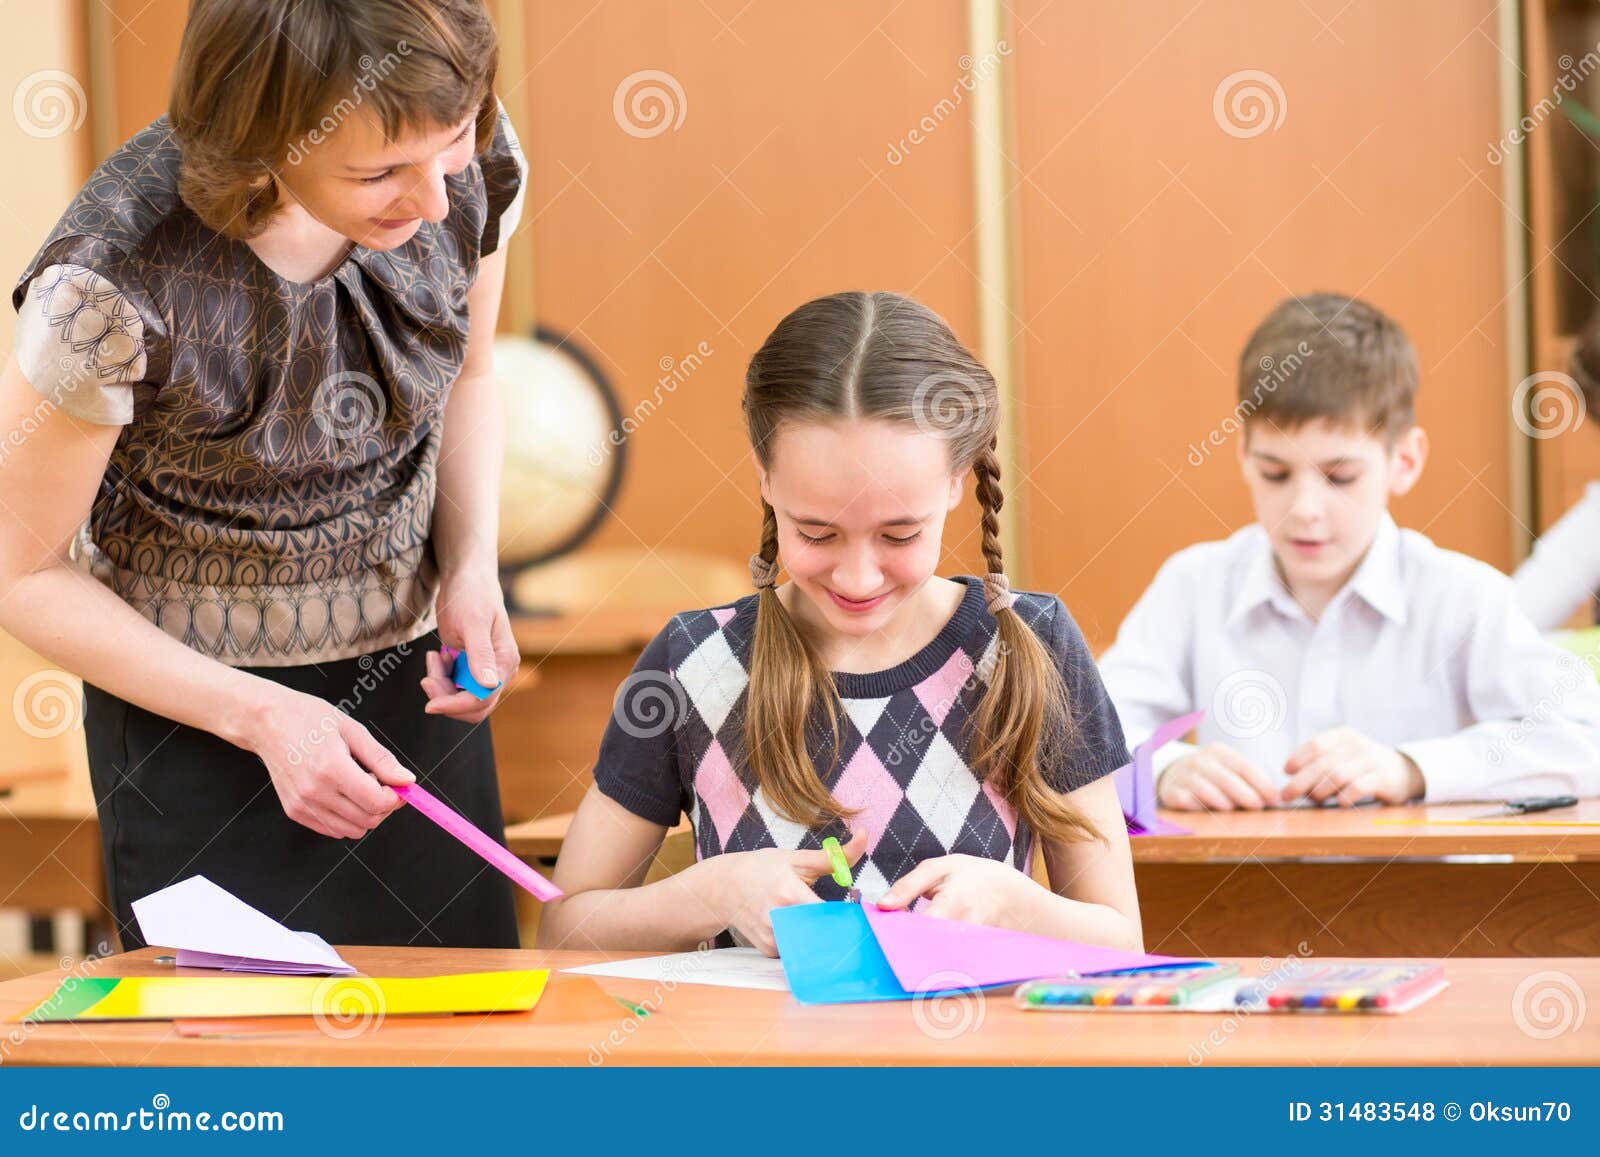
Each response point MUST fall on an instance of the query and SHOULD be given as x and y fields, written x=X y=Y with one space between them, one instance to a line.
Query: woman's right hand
x=328 y=770
x=751 y=884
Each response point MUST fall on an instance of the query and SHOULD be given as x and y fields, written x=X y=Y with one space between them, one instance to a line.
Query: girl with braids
x=936 y=726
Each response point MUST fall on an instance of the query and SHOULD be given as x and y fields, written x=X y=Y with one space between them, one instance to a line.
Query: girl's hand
x=472 y=618
x=970 y=888
x=749 y=885
x=328 y=770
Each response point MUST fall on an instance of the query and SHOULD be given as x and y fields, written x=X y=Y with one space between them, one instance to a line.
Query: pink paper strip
x=927 y=952
x=1136 y=781
x=495 y=855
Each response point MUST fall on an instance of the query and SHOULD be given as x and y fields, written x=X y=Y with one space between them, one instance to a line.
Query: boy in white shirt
x=1340 y=658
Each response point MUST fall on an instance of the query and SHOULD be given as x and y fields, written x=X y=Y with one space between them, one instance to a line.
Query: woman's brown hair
x=260 y=82
x=885 y=357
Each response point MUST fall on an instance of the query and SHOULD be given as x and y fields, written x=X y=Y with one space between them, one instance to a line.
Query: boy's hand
x=1215 y=778
x=1345 y=765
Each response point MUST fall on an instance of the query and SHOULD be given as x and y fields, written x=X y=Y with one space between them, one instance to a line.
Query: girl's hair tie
x=998 y=594
x=763 y=573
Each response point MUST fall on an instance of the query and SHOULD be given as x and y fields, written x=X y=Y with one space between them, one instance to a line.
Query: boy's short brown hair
x=259 y=82
x=1329 y=356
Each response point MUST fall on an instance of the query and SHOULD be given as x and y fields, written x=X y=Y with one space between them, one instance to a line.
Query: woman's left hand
x=472 y=618
x=962 y=887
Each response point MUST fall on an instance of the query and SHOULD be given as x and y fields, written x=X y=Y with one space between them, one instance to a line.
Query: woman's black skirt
x=176 y=802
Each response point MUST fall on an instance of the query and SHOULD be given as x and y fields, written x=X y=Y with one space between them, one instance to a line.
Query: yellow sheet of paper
x=168 y=998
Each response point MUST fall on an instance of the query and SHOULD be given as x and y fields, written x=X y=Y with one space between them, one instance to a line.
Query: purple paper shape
x=212 y=928
x=189 y=958
x=929 y=953
x=1136 y=781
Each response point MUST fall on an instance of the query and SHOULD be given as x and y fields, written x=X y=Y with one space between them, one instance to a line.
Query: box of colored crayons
x=1295 y=987
x=1153 y=988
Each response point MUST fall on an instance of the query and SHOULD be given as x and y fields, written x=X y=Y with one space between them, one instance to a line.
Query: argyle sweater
x=675 y=742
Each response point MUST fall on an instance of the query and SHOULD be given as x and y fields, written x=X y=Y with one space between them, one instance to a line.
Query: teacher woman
x=255 y=477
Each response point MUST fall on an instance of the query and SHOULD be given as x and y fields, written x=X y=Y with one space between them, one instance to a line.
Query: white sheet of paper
x=196 y=916
x=723 y=967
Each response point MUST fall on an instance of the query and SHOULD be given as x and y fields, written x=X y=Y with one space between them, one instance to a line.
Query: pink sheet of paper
x=1136 y=781
x=927 y=952
x=494 y=854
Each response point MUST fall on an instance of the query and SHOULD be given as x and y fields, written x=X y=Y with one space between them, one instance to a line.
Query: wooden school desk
x=11 y=777
x=1472 y=1022
x=50 y=847
x=539 y=841
x=548 y=729
x=605 y=604
x=1343 y=883
x=1347 y=882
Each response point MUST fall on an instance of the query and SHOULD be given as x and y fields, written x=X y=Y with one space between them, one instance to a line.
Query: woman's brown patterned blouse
x=269 y=500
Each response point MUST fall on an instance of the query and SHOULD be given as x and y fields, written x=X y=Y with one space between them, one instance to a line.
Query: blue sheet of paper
x=831 y=956
x=841 y=953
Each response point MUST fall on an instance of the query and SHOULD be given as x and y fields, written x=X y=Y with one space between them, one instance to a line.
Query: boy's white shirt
x=1424 y=649
x=1563 y=573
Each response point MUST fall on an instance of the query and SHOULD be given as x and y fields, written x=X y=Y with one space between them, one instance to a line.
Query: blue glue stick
x=461 y=674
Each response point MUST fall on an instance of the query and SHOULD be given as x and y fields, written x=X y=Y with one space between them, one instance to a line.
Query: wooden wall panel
x=1149 y=240
x=775 y=188
x=1153 y=242
x=48 y=144
x=144 y=44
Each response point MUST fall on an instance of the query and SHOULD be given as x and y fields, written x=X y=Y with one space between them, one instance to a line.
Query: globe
x=564 y=451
